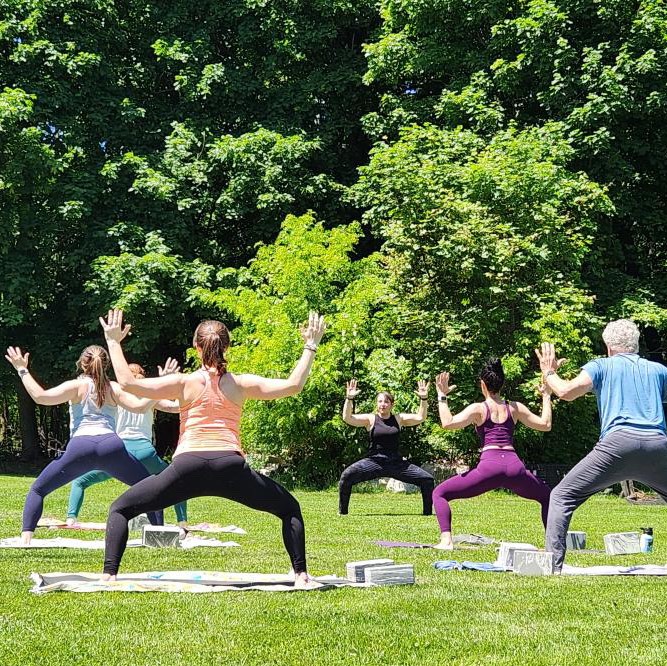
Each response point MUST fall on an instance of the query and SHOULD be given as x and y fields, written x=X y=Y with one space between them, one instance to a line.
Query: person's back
x=87 y=418
x=630 y=392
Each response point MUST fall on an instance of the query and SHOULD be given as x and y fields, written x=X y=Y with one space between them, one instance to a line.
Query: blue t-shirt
x=630 y=391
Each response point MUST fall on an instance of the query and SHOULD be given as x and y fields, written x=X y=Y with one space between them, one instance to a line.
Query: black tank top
x=384 y=436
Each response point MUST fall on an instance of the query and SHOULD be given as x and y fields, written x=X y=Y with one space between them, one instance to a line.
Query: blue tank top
x=86 y=418
x=496 y=434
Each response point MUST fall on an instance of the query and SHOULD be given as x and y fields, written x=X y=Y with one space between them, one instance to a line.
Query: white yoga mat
x=98 y=544
x=613 y=570
x=211 y=528
x=178 y=581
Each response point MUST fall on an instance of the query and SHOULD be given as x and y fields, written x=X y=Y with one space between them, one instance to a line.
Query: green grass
x=447 y=618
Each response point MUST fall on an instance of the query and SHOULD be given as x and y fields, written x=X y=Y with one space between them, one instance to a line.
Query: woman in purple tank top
x=499 y=465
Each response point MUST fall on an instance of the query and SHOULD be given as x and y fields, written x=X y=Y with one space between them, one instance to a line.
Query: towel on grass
x=178 y=581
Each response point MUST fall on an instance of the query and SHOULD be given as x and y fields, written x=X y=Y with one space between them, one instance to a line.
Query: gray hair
x=622 y=335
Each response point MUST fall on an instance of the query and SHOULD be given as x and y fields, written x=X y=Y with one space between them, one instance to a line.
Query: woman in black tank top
x=384 y=457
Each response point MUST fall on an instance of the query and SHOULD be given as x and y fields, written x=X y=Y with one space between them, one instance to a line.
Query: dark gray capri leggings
x=209 y=473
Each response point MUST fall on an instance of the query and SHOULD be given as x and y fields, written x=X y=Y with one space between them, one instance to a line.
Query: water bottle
x=646 y=540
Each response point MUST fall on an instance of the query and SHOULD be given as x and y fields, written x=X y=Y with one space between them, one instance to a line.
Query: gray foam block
x=533 y=563
x=621 y=543
x=393 y=574
x=356 y=570
x=160 y=536
x=576 y=540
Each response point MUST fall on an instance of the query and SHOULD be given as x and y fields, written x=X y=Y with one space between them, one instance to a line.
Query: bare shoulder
x=232 y=386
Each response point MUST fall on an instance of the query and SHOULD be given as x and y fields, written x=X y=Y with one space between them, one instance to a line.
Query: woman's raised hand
x=422 y=388
x=352 y=390
x=16 y=358
x=171 y=367
x=313 y=330
x=442 y=384
x=114 y=331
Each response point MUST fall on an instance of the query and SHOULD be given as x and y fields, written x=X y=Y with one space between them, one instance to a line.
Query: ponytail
x=94 y=362
x=212 y=337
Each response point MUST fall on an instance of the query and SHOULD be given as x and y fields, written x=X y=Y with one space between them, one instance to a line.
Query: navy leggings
x=496 y=469
x=83 y=454
x=209 y=473
x=379 y=465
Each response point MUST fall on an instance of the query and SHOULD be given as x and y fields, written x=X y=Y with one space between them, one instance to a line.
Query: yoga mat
x=56 y=524
x=212 y=528
x=178 y=581
x=460 y=540
x=635 y=570
x=98 y=544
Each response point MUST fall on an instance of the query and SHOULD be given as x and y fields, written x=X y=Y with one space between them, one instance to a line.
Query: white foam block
x=355 y=570
x=575 y=540
x=621 y=543
x=507 y=550
x=393 y=574
x=160 y=536
x=533 y=563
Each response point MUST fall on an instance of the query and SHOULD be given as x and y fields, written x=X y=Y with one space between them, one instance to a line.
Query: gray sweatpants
x=626 y=453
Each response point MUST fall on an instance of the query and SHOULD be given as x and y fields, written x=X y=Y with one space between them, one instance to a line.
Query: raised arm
x=168 y=387
x=420 y=416
x=254 y=387
x=448 y=421
x=357 y=420
x=542 y=422
x=565 y=389
x=54 y=396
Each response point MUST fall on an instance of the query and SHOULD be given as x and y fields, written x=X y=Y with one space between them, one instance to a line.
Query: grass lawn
x=447 y=618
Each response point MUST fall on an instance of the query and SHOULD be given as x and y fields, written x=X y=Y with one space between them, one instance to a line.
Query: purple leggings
x=83 y=454
x=496 y=469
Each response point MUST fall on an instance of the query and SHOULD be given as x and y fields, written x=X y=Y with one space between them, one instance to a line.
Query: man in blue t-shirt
x=630 y=392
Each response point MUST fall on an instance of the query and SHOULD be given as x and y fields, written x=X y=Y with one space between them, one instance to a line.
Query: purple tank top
x=496 y=434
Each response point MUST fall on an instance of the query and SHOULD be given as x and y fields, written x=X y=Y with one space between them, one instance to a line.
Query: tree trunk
x=28 y=420
x=627 y=489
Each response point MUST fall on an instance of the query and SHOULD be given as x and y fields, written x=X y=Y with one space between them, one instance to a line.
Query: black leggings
x=221 y=474
x=376 y=466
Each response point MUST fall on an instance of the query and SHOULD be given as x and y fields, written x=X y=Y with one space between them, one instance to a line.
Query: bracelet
x=312 y=348
x=23 y=372
x=426 y=399
x=442 y=398
x=347 y=397
x=551 y=372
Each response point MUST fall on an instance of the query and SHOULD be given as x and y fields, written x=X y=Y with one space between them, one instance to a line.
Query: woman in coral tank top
x=209 y=459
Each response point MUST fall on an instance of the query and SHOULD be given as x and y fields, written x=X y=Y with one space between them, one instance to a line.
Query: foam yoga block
x=160 y=536
x=533 y=563
x=576 y=540
x=356 y=570
x=507 y=550
x=392 y=574
x=621 y=543
x=137 y=523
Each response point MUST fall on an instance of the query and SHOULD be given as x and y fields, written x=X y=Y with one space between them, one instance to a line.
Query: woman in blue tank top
x=93 y=444
x=499 y=465
x=384 y=457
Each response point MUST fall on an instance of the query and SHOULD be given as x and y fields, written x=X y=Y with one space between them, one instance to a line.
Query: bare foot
x=446 y=542
x=70 y=522
x=303 y=581
x=108 y=578
x=26 y=538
